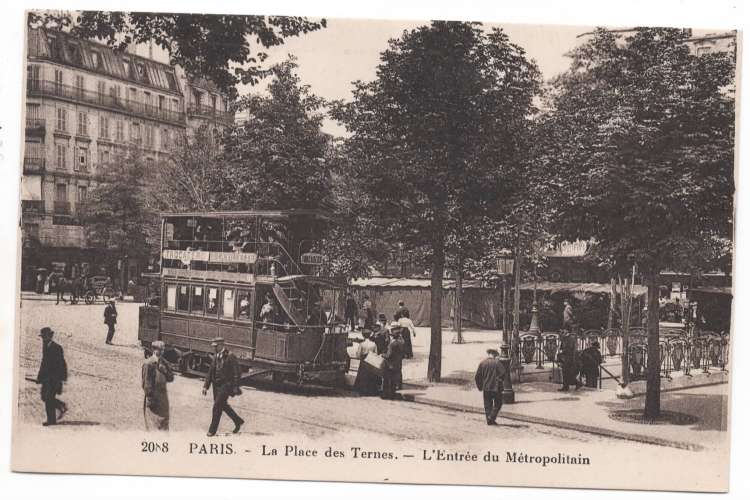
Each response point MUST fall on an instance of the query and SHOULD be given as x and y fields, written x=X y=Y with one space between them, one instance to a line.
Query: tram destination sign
x=312 y=259
x=187 y=256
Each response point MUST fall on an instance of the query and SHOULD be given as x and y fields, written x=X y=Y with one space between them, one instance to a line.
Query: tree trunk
x=436 y=302
x=459 y=301
x=653 y=374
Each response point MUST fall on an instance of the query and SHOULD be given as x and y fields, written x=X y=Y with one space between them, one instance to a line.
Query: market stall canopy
x=719 y=290
x=561 y=287
x=385 y=282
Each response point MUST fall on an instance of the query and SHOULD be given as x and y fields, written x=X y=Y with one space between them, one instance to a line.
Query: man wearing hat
x=489 y=379
x=52 y=373
x=155 y=374
x=591 y=358
x=393 y=356
x=224 y=375
x=110 y=319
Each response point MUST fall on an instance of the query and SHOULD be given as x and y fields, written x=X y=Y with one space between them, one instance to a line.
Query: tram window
x=245 y=308
x=171 y=297
x=196 y=300
x=212 y=301
x=227 y=304
x=183 y=299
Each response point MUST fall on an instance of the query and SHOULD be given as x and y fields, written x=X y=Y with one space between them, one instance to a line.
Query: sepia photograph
x=369 y=250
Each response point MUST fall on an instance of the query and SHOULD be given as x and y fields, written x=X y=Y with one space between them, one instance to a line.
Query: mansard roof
x=63 y=48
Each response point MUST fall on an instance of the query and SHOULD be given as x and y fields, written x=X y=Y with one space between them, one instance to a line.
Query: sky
x=348 y=50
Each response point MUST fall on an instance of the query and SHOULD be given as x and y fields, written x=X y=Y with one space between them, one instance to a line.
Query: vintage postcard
x=434 y=252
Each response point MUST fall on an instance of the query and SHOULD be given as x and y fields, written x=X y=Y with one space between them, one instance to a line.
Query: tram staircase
x=292 y=300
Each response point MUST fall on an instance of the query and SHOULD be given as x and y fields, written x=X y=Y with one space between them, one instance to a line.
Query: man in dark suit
x=224 y=375
x=489 y=379
x=52 y=373
x=110 y=319
x=393 y=356
x=591 y=358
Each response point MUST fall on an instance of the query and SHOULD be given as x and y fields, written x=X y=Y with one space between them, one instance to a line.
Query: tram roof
x=246 y=214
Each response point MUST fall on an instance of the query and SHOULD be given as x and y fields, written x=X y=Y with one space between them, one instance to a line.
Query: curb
x=561 y=424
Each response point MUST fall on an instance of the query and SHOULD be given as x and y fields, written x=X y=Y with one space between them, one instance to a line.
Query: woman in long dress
x=156 y=374
x=367 y=382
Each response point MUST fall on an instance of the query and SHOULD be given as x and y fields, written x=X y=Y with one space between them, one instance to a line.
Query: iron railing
x=202 y=111
x=62 y=208
x=679 y=351
x=47 y=88
x=33 y=164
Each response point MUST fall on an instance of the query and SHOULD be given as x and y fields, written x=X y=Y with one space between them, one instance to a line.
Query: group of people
x=386 y=344
x=223 y=378
x=576 y=365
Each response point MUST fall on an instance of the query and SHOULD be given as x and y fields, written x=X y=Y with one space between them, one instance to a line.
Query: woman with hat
x=156 y=374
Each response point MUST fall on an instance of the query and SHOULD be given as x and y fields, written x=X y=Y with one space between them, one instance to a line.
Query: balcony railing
x=33 y=164
x=201 y=111
x=35 y=206
x=47 y=88
x=62 y=207
x=35 y=125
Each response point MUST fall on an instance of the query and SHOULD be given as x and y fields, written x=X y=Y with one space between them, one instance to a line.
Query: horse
x=73 y=287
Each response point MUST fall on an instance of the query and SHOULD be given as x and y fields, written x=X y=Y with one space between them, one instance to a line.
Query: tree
x=227 y=49
x=278 y=158
x=116 y=213
x=433 y=137
x=640 y=141
x=186 y=179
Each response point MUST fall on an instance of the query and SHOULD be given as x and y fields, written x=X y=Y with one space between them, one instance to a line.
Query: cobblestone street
x=104 y=391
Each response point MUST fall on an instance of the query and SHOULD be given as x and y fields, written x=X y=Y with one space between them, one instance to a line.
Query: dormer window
x=96 y=59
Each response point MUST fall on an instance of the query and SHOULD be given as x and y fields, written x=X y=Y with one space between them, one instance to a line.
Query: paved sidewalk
x=701 y=409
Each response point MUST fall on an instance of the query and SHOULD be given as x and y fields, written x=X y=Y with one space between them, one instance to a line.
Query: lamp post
x=505 y=268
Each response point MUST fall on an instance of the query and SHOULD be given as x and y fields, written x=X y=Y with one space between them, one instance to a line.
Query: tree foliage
x=434 y=138
x=187 y=179
x=640 y=143
x=116 y=213
x=227 y=49
x=278 y=158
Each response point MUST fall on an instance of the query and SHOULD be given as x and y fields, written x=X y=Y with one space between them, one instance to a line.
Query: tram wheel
x=89 y=298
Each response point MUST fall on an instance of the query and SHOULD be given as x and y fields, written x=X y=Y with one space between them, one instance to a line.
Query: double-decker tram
x=247 y=277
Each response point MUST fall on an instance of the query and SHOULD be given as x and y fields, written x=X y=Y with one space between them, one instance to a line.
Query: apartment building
x=85 y=104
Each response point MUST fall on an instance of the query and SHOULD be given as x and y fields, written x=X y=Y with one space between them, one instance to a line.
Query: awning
x=384 y=282
x=720 y=290
x=562 y=287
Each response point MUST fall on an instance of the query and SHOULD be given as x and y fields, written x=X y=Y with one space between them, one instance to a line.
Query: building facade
x=85 y=105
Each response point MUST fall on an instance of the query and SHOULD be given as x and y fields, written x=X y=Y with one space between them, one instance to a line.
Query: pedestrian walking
x=591 y=358
x=489 y=379
x=407 y=332
x=401 y=312
x=224 y=376
x=155 y=375
x=568 y=361
x=39 y=283
x=393 y=356
x=350 y=311
x=53 y=371
x=110 y=319
x=60 y=289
